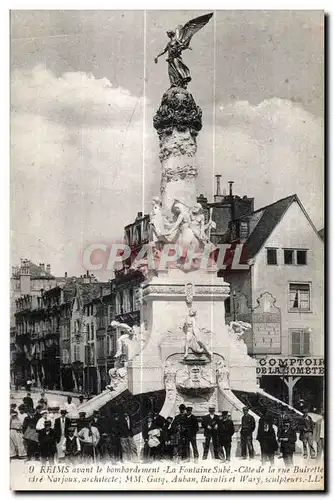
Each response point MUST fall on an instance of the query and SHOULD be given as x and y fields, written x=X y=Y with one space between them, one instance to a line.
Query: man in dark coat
x=170 y=440
x=47 y=443
x=267 y=438
x=179 y=426
x=306 y=434
x=153 y=422
x=287 y=437
x=81 y=421
x=225 y=433
x=125 y=429
x=210 y=426
x=246 y=434
x=62 y=425
x=28 y=402
x=99 y=422
x=191 y=424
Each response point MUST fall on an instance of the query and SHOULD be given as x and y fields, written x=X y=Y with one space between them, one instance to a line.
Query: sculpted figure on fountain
x=192 y=333
x=157 y=223
x=236 y=331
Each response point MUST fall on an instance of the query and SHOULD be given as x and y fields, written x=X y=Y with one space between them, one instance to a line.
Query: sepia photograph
x=167 y=291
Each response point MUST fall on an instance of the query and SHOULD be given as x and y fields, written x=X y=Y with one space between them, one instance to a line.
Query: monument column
x=178 y=121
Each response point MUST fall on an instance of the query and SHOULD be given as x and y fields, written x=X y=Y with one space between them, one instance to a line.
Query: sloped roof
x=91 y=291
x=36 y=272
x=271 y=216
x=69 y=292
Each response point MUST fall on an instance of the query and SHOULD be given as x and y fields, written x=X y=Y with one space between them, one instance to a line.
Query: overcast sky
x=78 y=135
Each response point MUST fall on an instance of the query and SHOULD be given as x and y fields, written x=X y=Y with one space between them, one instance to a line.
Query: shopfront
x=293 y=378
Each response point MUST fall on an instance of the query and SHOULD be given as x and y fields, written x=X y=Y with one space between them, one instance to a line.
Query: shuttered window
x=300 y=342
x=299 y=296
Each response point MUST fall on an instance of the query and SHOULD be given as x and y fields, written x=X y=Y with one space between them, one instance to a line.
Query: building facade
x=282 y=296
x=27 y=279
x=86 y=319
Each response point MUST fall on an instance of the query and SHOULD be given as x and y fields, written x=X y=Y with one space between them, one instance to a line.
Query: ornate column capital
x=178 y=110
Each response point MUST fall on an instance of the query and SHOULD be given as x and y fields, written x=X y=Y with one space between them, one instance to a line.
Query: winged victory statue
x=178 y=72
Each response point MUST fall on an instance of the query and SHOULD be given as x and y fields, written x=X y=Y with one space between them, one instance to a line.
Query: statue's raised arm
x=178 y=72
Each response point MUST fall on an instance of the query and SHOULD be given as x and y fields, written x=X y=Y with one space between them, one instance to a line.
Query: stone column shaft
x=178 y=121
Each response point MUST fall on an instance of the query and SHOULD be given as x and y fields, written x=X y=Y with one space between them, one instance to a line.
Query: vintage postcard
x=167 y=248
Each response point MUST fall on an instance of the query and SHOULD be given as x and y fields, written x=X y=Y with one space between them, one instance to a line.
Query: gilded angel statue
x=179 y=74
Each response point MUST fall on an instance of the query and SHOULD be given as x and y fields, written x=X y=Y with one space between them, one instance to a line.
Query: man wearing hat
x=41 y=421
x=28 y=401
x=225 y=433
x=81 y=421
x=179 y=426
x=210 y=425
x=287 y=438
x=61 y=427
x=246 y=434
x=99 y=423
x=71 y=446
x=306 y=434
x=47 y=443
x=191 y=431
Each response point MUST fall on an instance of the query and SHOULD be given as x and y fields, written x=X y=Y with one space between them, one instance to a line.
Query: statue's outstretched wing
x=185 y=33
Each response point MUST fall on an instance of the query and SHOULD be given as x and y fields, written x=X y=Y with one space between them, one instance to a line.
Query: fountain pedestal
x=167 y=299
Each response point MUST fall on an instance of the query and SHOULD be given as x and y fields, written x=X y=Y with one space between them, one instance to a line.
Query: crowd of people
x=48 y=433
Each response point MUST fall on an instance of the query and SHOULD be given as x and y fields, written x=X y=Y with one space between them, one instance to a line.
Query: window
x=119 y=303
x=272 y=256
x=66 y=356
x=76 y=352
x=109 y=314
x=300 y=342
x=299 y=296
x=288 y=257
x=227 y=305
x=92 y=331
x=109 y=345
x=88 y=332
x=295 y=257
x=301 y=257
x=100 y=348
x=131 y=300
x=126 y=302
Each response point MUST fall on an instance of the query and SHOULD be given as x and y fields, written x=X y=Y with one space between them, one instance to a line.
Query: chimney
x=218 y=177
x=202 y=200
x=230 y=183
x=48 y=269
x=42 y=266
x=139 y=215
x=87 y=273
x=218 y=197
x=65 y=274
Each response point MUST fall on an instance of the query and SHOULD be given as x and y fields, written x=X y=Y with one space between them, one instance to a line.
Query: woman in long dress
x=17 y=448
